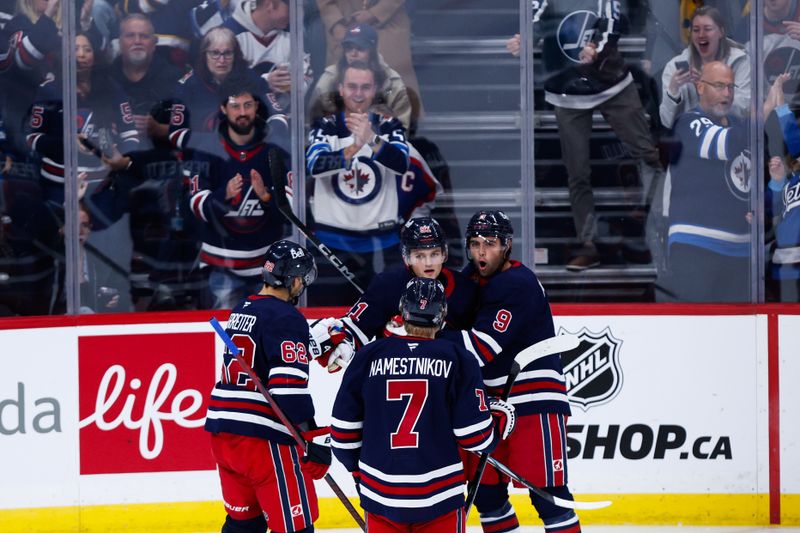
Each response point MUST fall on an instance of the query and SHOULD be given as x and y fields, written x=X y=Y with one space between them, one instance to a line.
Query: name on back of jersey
x=401 y=366
x=241 y=322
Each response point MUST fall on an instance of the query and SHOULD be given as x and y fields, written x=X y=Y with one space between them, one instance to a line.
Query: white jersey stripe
x=411 y=478
x=412 y=504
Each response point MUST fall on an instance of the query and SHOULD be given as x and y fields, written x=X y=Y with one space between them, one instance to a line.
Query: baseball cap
x=361 y=35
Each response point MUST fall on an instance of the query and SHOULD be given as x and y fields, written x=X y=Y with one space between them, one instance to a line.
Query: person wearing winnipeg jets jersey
x=586 y=72
x=405 y=407
x=233 y=199
x=267 y=480
x=514 y=313
x=423 y=245
x=367 y=181
x=709 y=208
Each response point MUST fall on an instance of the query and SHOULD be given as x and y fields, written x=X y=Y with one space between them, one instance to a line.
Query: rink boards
x=687 y=417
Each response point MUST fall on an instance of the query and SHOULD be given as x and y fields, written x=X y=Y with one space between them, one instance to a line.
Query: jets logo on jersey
x=592 y=370
x=575 y=32
x=360 y=184
x=738 y=174
x=791 y=197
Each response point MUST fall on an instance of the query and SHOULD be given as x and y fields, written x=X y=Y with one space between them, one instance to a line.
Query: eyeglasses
x=219 y=54
x=719 y=86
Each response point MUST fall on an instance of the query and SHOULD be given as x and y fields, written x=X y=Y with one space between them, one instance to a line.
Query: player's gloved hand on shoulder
x=505 y=417
x=396 y=326
x=344 y=351
x=318 y=452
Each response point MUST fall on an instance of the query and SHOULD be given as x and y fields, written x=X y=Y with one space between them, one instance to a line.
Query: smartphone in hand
x=682 y=65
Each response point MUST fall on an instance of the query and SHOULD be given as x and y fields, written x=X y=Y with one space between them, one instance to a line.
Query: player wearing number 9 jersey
x=514 y=313
x=262 y=471
x=405 y=406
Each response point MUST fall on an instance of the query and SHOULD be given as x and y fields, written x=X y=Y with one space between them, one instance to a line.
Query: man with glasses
x=709 y=185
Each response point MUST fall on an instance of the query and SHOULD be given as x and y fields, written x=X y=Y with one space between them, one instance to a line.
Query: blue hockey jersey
x=710 y=181
x=404 y=408
x=514 y=313
x=379 y=303
x=272 y=337
x=236 y=232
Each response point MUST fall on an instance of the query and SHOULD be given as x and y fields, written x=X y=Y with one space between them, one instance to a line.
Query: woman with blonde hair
x=709 y=42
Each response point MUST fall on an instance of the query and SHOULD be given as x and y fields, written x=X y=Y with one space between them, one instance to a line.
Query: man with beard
x=147 y=79
x=234 y=201
x=709 y=203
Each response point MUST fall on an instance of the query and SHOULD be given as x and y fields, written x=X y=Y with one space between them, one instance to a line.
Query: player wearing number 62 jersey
x=405 y=407
x=263 y=472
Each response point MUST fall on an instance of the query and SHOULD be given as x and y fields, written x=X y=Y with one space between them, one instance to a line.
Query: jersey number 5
x=416 y=390
x=232 y=372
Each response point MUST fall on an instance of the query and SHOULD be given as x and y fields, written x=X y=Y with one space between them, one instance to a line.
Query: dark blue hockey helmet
x=422 y=232
x=286 y=260
x=424 y=303
x=490 y=223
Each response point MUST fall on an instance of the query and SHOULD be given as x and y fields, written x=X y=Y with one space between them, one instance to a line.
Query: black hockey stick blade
x=278 y=172
x=555 y=500
x=283 y=418
x=474 y=483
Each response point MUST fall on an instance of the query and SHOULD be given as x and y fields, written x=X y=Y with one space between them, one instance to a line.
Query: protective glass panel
x=32 y=248
x=434 y=82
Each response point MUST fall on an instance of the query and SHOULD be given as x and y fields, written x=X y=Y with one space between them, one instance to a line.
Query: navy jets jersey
x=711 y=180
x=379 y=303
x=405 y=406
x=566 y=27
x=236 y=232
x=272 y=337
x=514 y=313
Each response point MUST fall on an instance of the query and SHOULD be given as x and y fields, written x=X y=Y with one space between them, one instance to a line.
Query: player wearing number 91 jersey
x=405 y=406
x=261 y=467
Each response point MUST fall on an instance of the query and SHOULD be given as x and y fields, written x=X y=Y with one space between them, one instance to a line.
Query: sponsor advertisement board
x=789 y=335
x=661 y=405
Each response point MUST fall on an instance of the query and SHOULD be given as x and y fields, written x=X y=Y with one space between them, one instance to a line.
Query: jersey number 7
x=416 y=390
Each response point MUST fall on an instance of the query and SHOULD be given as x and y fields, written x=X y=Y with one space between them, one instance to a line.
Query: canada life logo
x=142 y=402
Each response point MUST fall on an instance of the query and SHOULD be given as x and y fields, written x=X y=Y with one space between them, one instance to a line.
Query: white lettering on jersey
x=401 y=366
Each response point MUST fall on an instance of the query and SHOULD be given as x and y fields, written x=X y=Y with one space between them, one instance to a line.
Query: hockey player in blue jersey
x=266 y=480
x=405 y=407
x=423 y=245
x=514 y=312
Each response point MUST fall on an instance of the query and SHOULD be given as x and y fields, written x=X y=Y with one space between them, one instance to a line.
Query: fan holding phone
x=681 y=73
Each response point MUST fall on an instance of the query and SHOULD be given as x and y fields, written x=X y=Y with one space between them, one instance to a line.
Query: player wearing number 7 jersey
x=266 y=478
x=405 y=406
x=513 y=314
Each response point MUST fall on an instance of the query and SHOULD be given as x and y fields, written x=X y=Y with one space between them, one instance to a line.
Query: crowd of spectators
x=183 y=113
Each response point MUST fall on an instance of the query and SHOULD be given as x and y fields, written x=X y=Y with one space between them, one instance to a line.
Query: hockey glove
x=318 y=452
x=395 y=327
x=344 y=351
x=505 y=417
x=322 y=344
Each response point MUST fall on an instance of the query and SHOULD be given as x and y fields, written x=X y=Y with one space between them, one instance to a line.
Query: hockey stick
x=278 y=172
x=555 y=500
x=474 y=483
x=550 y=346
x=553 y=345
x=283 y=418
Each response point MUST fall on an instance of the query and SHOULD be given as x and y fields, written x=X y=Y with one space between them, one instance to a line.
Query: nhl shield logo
x=592 y=370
